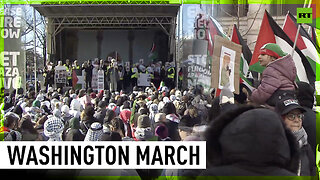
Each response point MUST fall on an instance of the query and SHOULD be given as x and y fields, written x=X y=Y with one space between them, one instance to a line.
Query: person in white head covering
x=40 y=97
x=54 y=126
x=66 y=116
x=75 y=108
x=153 y=109
x=94 y=133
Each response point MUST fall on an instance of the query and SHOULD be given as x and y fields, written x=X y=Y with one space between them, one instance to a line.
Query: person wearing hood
x=292 y=116
x=153 y=109
x=53 y=127
x=143 y=131
x=172 y=121
x=75 y=108
x=305 y=96
x=109 y=116
x=125 y=115
x=278 y=79
x=66 y=116
x=249 y=141
x=100 y=114
x=74 y=133
x=94 y=132
x=8 y=130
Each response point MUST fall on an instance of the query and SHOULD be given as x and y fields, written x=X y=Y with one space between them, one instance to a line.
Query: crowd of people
x=269 y=132
x=116 y=76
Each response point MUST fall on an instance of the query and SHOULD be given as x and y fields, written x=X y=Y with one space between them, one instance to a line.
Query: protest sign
x=226 y=64
x=13 y=55
x=197 y=63
x=94 y=82
x=60 y=75
x=144 y=79
x=100 y=80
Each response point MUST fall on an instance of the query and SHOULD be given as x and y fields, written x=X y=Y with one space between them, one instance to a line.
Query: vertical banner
x=198 y=67
x=226 y=64
x=13 y=56
x=194 y=60
x=100 y=80
x=94 y=82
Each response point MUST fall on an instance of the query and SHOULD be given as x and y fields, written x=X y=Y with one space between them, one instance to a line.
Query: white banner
x=103 y=155
x=100 y=80
x=144 y=79
x=94 y=82
x=60 y=75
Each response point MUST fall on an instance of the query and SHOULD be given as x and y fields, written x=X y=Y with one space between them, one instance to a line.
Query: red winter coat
x=278 y=75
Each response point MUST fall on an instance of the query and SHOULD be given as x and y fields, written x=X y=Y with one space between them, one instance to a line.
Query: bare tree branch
x=254 y=19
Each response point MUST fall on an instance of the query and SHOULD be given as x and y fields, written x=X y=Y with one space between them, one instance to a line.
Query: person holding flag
x=278 y=78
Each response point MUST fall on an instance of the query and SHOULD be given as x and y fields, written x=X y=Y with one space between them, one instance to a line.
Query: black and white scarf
x=301 y=137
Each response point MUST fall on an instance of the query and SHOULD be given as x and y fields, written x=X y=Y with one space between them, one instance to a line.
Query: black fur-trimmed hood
x=252 y=136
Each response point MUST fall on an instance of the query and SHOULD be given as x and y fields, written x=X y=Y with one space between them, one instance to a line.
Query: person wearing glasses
x=292 y=116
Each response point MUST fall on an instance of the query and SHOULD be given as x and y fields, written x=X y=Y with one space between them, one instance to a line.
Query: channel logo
x=304 y=15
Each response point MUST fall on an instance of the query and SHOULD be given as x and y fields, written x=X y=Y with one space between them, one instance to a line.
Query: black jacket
x=309 y=123
x=308 y=161
x=250 y=142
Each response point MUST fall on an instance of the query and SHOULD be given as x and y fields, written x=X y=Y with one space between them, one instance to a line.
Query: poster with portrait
x=226 y=64
x=60 y=75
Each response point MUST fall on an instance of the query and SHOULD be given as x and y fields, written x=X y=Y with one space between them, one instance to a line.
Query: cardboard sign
x=226 y=64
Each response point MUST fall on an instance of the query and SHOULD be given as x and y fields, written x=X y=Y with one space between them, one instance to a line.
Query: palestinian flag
x=161 y=86
x=246 y=56
x=315 y=35
x=213 y=28
x=153 y=55
x=74 y=78
x=271 y=32
x=304 y=42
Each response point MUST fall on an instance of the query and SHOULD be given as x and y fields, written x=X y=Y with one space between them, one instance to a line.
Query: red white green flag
x=271 y=32
x=304 y=42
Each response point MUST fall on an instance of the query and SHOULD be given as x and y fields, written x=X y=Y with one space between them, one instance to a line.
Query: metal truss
x=112 y=22
x=106 y=2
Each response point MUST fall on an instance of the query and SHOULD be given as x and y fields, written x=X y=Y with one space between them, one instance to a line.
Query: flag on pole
x=271 y=32
x=246 y=56
x=74 y=78
x=314 y=36
x=153 y=54
x=304 y=42
x=161 y=86
x=213 y=28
